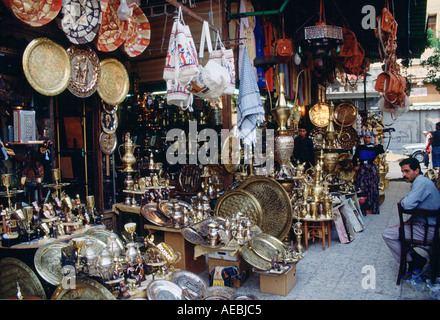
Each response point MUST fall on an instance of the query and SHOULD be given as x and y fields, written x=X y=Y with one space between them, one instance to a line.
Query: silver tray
x=47 y=261
x=152 y=214
x=219 y=291
x=192 y=236
x=164 y=290
x=103 y=234
x=243 y=296
x=189 y=281
x=166 y=206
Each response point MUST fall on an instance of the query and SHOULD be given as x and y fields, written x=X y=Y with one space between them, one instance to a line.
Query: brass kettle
x=128 y=159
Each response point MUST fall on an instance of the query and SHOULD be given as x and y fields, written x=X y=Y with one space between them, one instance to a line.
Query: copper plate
x=46 y=66
x=108 y=142
x=114 y=84
x=47 y=261
x=164 y=290
x=12 y=271
x=275 y=203
x=152 y=214
x=85 y=71
x=254 y=260
x=319 y=114
x=242 y=201
x=345 y=114
x=85 y=289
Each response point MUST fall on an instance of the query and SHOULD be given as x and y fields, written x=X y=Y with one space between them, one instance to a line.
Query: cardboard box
x=240 y=263
x=223 y=255
x=278 y=284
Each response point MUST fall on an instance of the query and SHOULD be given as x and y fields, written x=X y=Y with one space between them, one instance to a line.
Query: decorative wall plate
x=242 y=201
x=81 y=20
x=85 y=289
x=275 y=203
x=85 y=71
x=13 y=271
x=108 y=142
x=319 y=114
x=164 y=290
x=113 y=31
x=35 y=13
x=347 y=138
x=48 y=263
x=46 y=66
x=139 y=33
x=109 y=122
x=114 y=84
x=345 y=114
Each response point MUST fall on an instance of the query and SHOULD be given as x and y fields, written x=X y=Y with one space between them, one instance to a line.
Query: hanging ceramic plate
x=35 y=13
x=113 y=31
x=85 y=71
x=13 y=271
x=46 y=66
x=81 y=20
x=85 y=289
x=114 y=84
x=139 y=33
x=48 y=263
x=109 y=122
x=275 y=203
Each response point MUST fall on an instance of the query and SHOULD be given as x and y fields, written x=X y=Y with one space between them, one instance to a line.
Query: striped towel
x=250 y=108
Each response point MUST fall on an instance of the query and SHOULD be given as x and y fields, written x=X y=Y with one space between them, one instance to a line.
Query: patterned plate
x=46 y=66
x=114 y=84
x=81 y=20
x=189 y=281
x=86 y=71
x=139 y=32
x=113 y=31
x=109 y=122
x=164 y=290
x=152 y=214
x=347 y=138
x=275 y=203
x=85 y=289
x=345 y=114
x=35 y=13
x=47 y=261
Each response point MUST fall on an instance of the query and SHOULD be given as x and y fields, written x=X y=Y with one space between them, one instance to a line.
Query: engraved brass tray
x=12 y=271
x=238 y=200
x=265 y=247
x=219 y=291
x=85 y=289
x=190 y=281
x=253 y=259
x=102 y=235
x=164 y=290
x=85 y=71
x=152 y=214
x=46 y=66
x=192 y=236
x=166 y=206
x=345 y=114
x=276 y=207
x=319 y=114
x=114 y=84
x=47 y=261
x=347 y=138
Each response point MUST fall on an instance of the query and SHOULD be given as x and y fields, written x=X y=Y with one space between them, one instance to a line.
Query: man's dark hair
x=437 y=125
x=413 y=164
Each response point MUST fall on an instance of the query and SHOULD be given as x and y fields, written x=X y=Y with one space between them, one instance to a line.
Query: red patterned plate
x=139 y=32
x=35 y=13
x=113 y=31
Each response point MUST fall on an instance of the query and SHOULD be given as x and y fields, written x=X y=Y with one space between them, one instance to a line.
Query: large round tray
x=345 y=114
x=103 y=235
x=319 y=114
x=46 y=66
x=151 y=213
x=219 y=291
x=277 y=213
x=47 y=261
x=13 y=271
x=114 y=84
x=242 y=201
x=265 y=248
x=85 y=289
x=166 y=206
x=254 y=260
x=35 y=13
x=164 y=290
x=187 y=280
x=347 y=138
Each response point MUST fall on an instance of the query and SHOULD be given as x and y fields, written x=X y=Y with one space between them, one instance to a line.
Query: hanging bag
x=284 y=47
x=225 y=57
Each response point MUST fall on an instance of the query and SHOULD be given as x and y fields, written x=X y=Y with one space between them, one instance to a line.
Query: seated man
x=424 y=195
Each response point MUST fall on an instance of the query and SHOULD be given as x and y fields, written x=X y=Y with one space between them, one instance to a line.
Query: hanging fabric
x=247 y=25
x=225 y=57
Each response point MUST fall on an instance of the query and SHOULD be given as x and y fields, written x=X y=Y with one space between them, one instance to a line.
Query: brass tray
x=219 y=291
x=187 y=280
x=12 y=271
x=47 y=261
x=347 y=138
x=85 y=289
x=265 y=248
x=166 y=206
x=85 y=71
x=253 y=259
x=114 y=84
x=152 y=214
x=164 y=290
x=345 y=114
x=319 y=114
x=46 y=66
x=102 y=235
x=238 y=200
x=275 y=203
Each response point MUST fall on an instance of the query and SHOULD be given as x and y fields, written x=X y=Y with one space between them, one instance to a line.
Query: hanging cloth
x=247 y=25
x=268 y=30
x=250 y=108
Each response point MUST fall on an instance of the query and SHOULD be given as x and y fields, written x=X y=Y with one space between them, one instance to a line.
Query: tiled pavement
x=337 y=273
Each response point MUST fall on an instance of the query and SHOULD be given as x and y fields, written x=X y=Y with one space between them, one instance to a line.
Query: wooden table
x=317 y=229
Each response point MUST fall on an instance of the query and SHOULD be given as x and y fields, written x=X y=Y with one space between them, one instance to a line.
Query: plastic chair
x=431 y=246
